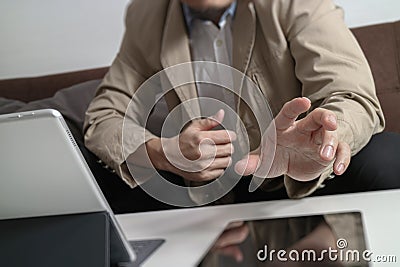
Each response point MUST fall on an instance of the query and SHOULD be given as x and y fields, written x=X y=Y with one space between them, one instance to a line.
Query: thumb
x=210 y=122
x=248 y=165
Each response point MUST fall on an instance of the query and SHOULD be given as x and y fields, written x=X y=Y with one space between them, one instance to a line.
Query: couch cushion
x=34 y=88
x=72 y=103
x=10 y=105
x=381 y=46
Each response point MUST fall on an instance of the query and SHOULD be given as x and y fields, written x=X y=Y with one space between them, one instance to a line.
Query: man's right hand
x=200 y=153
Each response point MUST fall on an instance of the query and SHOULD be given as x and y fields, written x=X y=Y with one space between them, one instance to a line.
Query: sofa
x=71 y=93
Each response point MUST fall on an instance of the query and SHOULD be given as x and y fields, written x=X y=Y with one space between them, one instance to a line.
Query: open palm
x=304 y=148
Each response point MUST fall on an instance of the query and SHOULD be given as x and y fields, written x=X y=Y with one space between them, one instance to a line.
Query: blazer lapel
x=243 y=35
x=175 y=50
x=243 y=39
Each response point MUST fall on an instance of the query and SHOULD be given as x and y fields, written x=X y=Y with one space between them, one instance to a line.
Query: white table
x=190 y=232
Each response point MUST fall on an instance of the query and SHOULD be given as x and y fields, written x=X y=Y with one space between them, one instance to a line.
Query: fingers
x=248 y=165
x=202 y=129
x=232 y=251
x=211 y=172
x=225 y=150
x=328 y=146
x=332 y=149
x=290 y=111
x=208 y=175
x=233 y=236
x=343 y=157
x=210 y=150
x=220 y=163
x=219 y=137
x=234 y=224
x=228 y=243
x=209 y=123
x=318 y=118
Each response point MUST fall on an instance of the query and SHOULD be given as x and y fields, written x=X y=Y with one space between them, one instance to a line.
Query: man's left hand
x=304 y=148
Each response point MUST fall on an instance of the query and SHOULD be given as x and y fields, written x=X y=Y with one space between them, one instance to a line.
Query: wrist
x=156 y=154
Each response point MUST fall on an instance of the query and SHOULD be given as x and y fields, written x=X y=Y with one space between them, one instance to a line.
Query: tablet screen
x=317 y=240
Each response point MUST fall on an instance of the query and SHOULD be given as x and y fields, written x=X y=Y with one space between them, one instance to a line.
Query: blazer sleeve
x=334 y=74
x=106 y=133
x=104 y=121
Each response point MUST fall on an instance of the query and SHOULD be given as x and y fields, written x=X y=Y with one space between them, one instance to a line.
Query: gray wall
x=40 y=37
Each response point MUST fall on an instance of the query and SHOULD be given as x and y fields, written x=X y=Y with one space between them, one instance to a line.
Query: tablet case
x=64 y=240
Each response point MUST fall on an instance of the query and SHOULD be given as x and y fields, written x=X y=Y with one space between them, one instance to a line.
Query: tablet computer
x=43 y=173
x=315 y=240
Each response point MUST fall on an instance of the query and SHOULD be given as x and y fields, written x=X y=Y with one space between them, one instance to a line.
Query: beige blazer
x=289 y=48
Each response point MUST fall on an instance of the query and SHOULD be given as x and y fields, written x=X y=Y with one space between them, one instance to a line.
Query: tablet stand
x=62 y=240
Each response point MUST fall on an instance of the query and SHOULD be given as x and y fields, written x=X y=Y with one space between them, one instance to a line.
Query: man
x=303 y=59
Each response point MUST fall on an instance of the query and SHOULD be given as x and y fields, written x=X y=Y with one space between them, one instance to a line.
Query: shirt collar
x=230 y=11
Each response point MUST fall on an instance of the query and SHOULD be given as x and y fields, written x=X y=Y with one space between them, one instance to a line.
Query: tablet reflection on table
x=319 y=240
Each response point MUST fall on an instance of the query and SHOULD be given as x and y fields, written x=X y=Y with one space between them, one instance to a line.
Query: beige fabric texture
x=288 y=48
